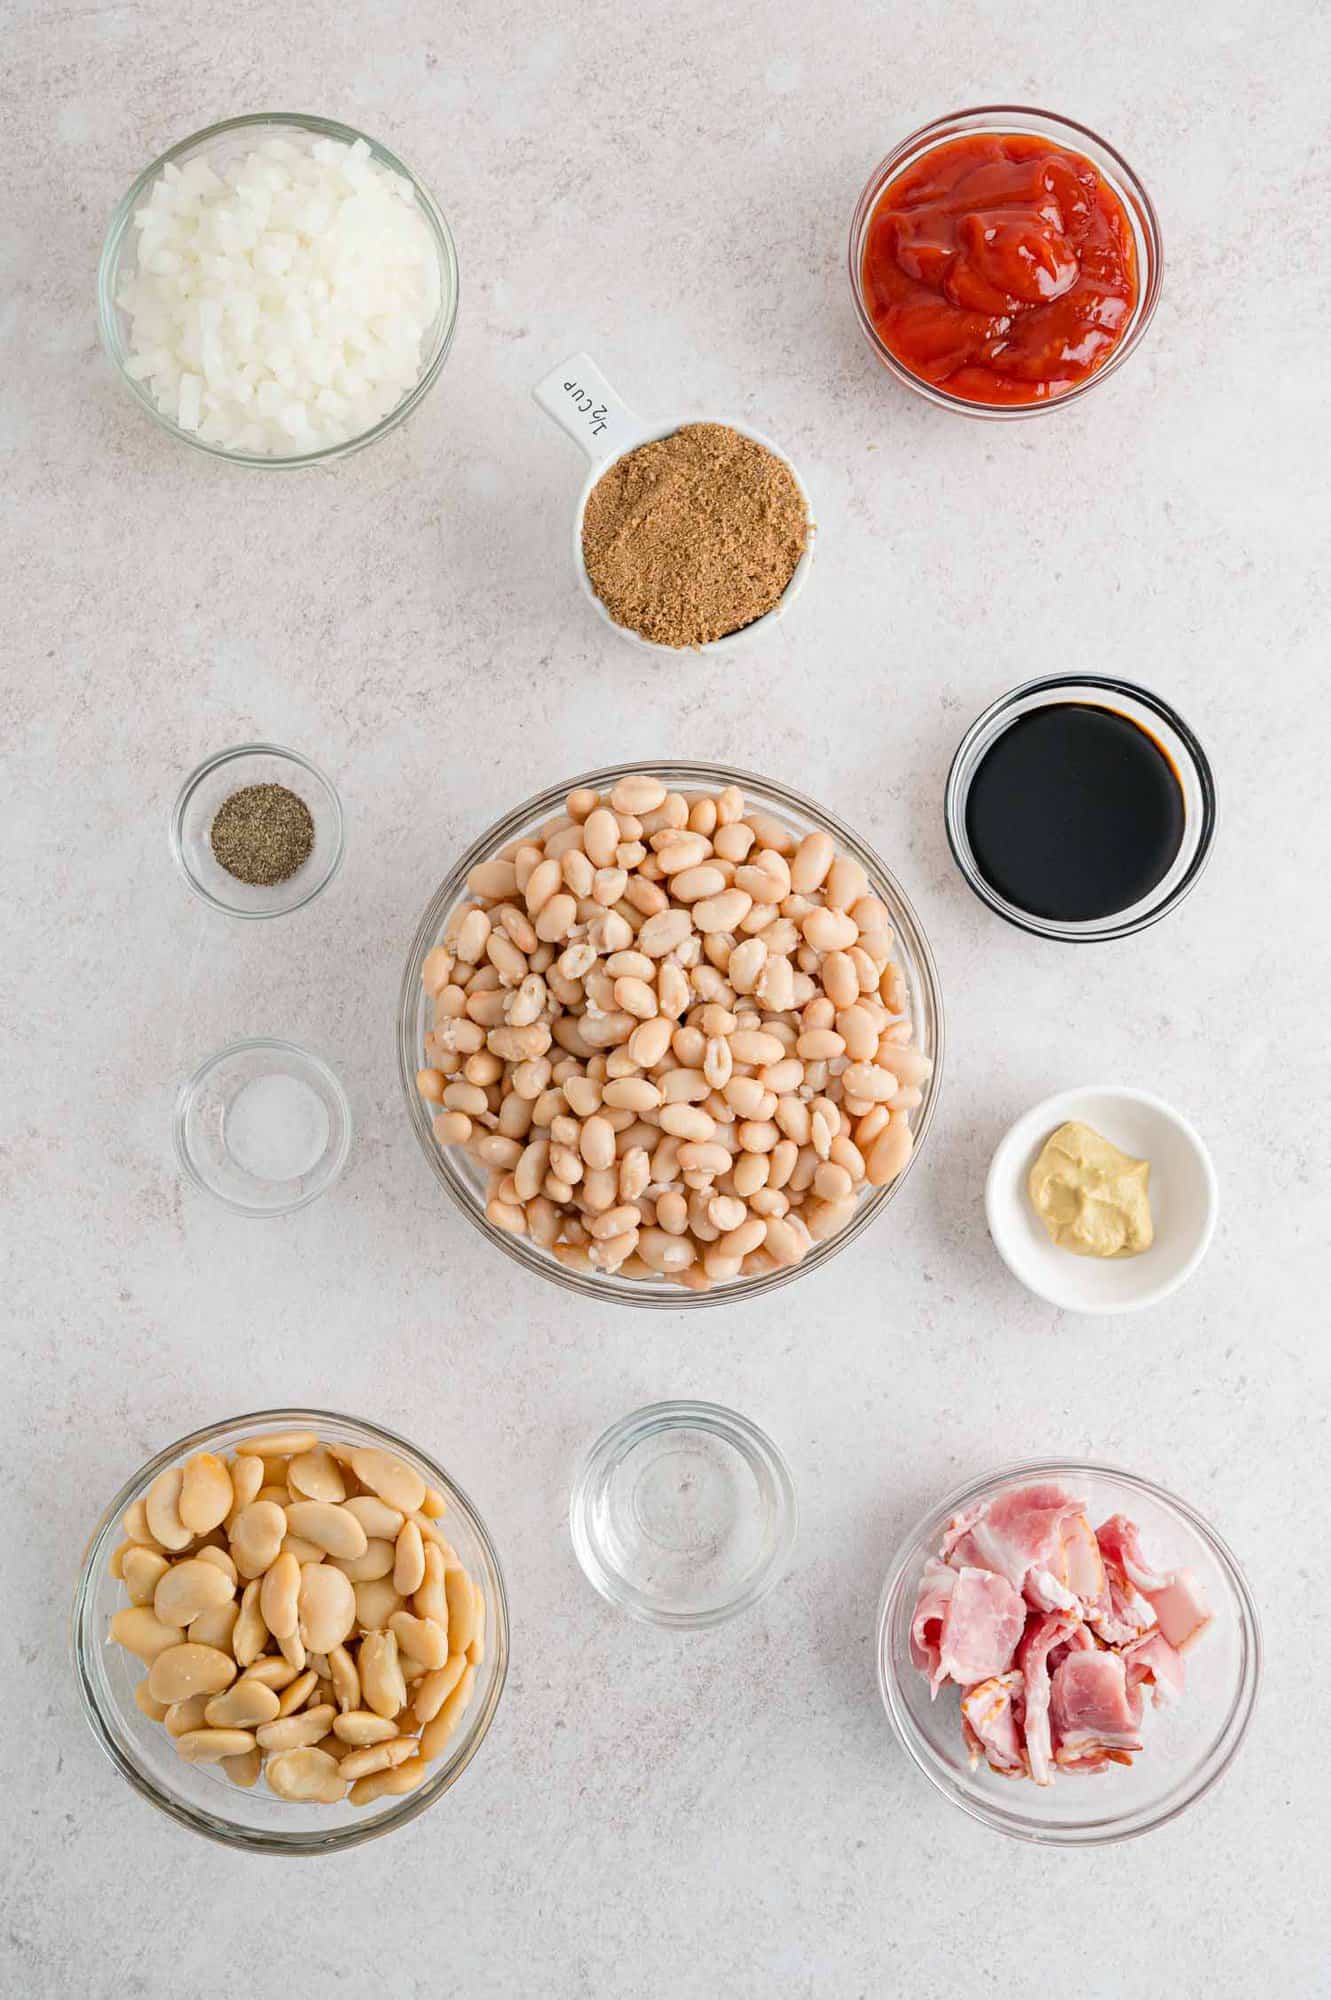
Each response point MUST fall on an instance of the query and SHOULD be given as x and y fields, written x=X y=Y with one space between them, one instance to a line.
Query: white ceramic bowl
x=1184 y=1202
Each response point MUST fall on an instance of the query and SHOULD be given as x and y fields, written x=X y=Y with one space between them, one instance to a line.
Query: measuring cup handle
x=581 y=401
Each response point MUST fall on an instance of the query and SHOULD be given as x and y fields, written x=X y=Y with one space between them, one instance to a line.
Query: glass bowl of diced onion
x=312 y=405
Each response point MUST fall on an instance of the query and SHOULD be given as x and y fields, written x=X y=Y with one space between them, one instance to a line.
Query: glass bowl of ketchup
x=1004 y=261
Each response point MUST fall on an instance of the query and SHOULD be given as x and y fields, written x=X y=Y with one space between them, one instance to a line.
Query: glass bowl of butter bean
x=290 y=1631
x=670 y=1034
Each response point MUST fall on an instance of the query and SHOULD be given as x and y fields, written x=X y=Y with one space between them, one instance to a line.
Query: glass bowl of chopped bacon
x=1068 y=1652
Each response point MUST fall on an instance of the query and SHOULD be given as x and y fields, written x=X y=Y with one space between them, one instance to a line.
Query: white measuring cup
x=581 y=401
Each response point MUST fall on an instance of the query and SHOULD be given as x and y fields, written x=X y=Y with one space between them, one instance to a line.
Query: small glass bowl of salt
x=264 y=1126
x=278 y=290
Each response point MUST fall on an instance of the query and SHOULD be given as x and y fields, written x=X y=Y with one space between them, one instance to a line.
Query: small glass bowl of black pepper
x=1080 y=808
x=257 y=831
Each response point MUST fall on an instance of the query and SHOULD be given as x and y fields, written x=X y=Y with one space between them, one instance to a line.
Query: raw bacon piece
x=1120 y=1544
x=1033 y=1659
x=1173 y=1595
x=1152 y=1658
x=1124 y=1617
x=1094 y=1713
x=1094 y=1762
x=1083 y=1569
x=1043 y=1590
x=1014 y=1533
x=991 y=1715
x=1075 y=1579
x=926 y=1627
x=983 y=1620
x=1077 y=1641
x=966 y=1624
x=1127 y=1615
x=1181 y=1609
x=959 y=1527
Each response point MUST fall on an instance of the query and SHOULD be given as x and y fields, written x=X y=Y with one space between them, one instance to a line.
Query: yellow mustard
x=1093 y=1199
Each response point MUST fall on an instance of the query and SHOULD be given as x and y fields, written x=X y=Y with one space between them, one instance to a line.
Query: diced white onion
x=191 y=402
x=282 y=305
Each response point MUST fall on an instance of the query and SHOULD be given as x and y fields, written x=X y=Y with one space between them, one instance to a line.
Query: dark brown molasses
x=1074 y=813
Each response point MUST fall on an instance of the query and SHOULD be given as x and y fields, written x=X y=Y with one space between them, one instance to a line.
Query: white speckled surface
x=668 y=187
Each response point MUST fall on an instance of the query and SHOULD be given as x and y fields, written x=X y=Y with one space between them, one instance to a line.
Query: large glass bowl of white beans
x=670 y=1034
x=276 y=1598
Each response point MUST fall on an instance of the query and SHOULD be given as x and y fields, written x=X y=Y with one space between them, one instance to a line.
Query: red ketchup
x=1001 y=268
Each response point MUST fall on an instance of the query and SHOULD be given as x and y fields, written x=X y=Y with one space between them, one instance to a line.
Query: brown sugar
x=694 y=535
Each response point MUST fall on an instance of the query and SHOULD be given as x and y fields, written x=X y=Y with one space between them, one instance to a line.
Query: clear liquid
x=681 y=1519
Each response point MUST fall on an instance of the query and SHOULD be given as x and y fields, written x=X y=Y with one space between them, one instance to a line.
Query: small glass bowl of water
x=264 y=1126
x=683 y=1514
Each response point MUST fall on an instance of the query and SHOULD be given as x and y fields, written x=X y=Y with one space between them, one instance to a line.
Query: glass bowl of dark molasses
x=1080 y=808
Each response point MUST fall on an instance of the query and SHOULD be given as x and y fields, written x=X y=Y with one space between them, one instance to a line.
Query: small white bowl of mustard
x=1183 y=1191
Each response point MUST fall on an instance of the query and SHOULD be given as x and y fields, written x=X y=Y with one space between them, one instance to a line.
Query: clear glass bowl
x=998 y=119
x=465 y=1182
x=205 y=791
x=1161 y=722
x=220 y=1137
x=683 y=1514
x=220 y=144
x=202 y=1797
x=1186 y=1747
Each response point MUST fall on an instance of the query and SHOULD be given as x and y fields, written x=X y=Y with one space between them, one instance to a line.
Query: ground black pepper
x=262 y=834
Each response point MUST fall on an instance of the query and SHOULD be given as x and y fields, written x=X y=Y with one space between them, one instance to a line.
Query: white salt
x=277 y=1128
